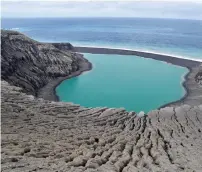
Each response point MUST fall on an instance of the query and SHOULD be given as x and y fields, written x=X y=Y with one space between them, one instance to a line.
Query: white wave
x=15 y=28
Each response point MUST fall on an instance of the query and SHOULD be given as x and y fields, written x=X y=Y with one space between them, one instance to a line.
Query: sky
x=182 y=9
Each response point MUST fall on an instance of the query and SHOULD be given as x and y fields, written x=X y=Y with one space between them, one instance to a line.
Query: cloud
x=156 y=9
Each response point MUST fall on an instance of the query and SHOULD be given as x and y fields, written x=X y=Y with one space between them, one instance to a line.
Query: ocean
x=172 y=36
x=131 y=82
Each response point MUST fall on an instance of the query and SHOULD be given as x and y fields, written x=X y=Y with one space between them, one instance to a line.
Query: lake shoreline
x=49 y=91
x=186 y=88
x=175 y=60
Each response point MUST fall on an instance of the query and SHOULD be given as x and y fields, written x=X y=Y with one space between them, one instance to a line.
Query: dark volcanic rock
x=40 y=135
x=31 y=64
x=198 y=76
x=63 y=46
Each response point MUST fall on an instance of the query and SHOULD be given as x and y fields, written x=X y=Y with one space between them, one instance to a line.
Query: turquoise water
x=135 y=83
x=120 y=81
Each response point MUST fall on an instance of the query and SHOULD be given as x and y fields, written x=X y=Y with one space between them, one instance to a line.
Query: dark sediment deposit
x=189 y=63
x=43 y=135
x=193 y=87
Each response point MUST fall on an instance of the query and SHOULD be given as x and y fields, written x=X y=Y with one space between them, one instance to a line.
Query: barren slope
x=53 y=136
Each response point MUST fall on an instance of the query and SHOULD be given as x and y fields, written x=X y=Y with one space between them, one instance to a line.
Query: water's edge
x=175 y=60
x=53 y=84
x=48 y=92
x=184 y=85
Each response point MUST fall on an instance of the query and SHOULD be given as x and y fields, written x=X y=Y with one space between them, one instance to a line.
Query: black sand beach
x=189 y=63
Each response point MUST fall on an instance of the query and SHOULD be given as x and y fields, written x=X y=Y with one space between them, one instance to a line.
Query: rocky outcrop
x=63 y=46
x=31 y=64
x=41 y=135
x=198 y=77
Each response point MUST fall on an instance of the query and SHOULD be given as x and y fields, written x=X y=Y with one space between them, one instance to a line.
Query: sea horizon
x=99 y=17
x=160 y=35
